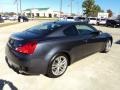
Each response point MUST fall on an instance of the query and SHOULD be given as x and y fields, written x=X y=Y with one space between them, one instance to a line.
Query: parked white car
x=102 y=21
x=62 y=18
x=69 y=18
x=81 y=19
x=13 y=18
x=93 y=20
x=4 y=17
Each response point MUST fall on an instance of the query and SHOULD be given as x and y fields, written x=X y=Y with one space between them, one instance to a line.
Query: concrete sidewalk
x=96 y=72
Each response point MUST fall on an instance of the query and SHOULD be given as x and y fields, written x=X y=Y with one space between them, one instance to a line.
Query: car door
x=75 y=43
x=93 y=42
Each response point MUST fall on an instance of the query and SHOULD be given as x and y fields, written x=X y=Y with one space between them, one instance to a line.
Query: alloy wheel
x=59 y=65
x=108 y=45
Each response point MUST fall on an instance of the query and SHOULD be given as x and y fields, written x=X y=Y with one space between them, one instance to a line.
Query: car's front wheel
x=57 y=66
x=115 y=26
x=107 y=46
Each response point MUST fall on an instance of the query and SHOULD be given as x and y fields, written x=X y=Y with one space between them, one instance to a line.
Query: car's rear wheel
x=115 y=26
x=57 y=66
x=107 y=46
x=21 y=20
x=97 y=24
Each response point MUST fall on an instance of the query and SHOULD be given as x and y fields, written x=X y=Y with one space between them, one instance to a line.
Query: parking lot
x=97 y=72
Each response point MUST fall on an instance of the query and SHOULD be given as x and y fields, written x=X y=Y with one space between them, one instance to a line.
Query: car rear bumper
x=23 y=64
x=18 y=69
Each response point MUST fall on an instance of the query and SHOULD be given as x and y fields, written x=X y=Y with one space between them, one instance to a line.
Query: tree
x=90 y=8
x=110 y=13
x=102 y=10
x=96 y=9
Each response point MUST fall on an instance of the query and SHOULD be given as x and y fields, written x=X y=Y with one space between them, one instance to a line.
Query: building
x=41 y=12
x=102 y=15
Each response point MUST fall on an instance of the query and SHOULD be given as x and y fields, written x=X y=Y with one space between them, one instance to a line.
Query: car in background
x=49 y=48
x=113 y=23
x=81 y=19
x=93 y=20
x=70 y=18
x=1 y=20
x=13 y=18
x=5 y=17
x=61 y=18
x=102 y=21
x=67 y=18
x=22 y=19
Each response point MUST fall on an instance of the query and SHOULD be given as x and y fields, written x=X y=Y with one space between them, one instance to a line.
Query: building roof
x=40 y=9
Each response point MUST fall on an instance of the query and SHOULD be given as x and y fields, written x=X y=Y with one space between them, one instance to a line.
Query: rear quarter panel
x=50 y=47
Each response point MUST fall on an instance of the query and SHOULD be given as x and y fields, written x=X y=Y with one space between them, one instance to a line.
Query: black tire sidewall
x=106 y=50
x=49 y=71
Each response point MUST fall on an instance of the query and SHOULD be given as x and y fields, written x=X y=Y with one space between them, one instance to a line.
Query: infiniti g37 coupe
x=49 y=48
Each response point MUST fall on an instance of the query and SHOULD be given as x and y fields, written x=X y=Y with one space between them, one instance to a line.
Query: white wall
x=45 y=13
x=102 y=15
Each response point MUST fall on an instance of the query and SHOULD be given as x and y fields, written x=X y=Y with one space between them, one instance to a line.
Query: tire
x=115 y=26
x=107 y=25
x=107 y=46
x=98 y=24
x=57 y=66
x=21 y=20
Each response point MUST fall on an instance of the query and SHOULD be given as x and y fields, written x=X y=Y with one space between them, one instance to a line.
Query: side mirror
x=97 y=32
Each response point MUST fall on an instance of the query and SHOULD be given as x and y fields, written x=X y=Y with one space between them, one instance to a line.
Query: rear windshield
x=45 y=27
x=81 y=18
x=92 y=18
x=69 y=17
x=103 y=19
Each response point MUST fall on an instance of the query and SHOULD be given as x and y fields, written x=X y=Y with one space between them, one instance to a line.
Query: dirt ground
x=96 y=72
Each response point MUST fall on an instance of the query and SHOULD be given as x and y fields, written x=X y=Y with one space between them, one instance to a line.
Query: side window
x=84 y=29
x=71 y=31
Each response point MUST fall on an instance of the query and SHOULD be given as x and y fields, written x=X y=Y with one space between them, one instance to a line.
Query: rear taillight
x=27 y=48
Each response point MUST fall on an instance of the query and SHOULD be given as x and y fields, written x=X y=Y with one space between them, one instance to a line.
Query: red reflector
x=27 y=48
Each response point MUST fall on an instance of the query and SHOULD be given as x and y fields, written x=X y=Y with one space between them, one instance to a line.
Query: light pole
x=17 y=8
x=71 y=2
x=16 y=2
x=60 y=7
x=20 y=8
x=78 y=8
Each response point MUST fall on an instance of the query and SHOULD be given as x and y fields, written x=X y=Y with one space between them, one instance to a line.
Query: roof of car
x=68 y=22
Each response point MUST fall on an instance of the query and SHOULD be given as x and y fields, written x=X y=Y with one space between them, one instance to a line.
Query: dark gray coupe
x=49 y=48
